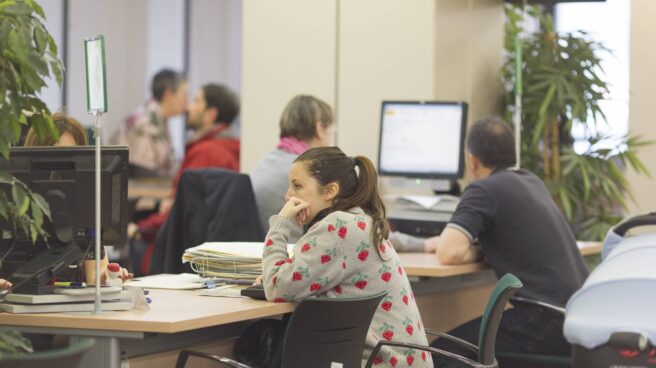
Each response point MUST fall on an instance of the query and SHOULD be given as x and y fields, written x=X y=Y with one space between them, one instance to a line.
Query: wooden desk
x=426 y=264
x=172 y=312
x=149 y=188
x=448 y=296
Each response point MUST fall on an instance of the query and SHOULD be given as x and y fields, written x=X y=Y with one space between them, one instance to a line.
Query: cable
x=35 y=274
x=13 y=244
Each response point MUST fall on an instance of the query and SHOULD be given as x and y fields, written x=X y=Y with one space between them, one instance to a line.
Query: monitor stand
x=35 y=276
x=438 y=186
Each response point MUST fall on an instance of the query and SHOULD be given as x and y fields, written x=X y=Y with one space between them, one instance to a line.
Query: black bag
x=260 y=346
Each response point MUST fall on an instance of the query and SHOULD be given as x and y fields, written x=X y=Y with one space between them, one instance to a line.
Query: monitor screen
x=422 y=139
x=65 y=177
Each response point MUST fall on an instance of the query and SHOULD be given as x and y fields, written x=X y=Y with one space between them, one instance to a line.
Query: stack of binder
x=113 y=299
x=236 y=260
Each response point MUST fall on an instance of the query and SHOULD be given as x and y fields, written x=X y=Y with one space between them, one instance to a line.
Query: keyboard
x=254 y=291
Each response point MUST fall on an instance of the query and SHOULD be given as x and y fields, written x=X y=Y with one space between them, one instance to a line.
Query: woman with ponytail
x=344 y=252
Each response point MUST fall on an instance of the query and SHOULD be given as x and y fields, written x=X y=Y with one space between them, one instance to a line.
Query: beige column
x=642 y=93
x=288 y=48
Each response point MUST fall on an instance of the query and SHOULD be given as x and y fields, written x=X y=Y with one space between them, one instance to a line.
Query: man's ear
x=473 y=162
x=212 y=114
x=330 y=191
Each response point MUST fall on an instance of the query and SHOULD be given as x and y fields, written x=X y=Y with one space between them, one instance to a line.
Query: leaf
x=12 y=342
x=34 y=232
x=6 y=178
x=18 y=8
x=37 y=8
x=20 y=199
x=37 y=214
x=42 y=204
x=4 y=208
x=40 y=39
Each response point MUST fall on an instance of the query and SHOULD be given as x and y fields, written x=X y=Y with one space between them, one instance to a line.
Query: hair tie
x=355 y=167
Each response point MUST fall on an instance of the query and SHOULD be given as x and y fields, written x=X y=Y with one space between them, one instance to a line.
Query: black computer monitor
x=65 y=177
x=422 y=139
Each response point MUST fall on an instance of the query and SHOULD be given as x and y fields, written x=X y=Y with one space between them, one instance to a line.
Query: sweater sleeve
x=406 y=243
x=315 y=267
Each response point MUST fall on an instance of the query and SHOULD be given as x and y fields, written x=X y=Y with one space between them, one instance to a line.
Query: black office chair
x=321 y=331
x=510 y=360
x=65 y=357
x=506 y=287
x=210 y=205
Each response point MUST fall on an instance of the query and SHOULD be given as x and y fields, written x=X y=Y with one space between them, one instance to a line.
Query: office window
x=608 y=23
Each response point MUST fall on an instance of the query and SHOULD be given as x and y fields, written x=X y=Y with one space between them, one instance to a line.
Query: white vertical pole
x=97 y=134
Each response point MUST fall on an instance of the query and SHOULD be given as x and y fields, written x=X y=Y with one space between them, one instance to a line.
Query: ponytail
x=366 y=196
x=358 y=185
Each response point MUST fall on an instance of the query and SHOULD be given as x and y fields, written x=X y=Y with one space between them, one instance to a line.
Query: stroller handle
x=635 y=221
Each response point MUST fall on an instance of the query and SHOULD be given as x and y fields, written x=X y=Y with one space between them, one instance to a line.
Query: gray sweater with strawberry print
x=336 y=259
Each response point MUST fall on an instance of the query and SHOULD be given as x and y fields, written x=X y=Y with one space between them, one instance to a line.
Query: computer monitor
x=422 y=139
x=65 y=177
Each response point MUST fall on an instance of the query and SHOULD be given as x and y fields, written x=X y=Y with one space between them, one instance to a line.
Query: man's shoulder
x=506 y=178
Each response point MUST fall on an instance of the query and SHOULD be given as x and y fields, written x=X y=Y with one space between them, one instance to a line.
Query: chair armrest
x=555 y=308
x=442 y=335
x=184 y=355
x=429 y=349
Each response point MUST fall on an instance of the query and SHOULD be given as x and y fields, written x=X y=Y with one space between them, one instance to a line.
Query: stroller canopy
x=619 y=296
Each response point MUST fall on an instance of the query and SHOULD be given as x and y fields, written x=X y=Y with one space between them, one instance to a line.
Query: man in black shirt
x=509 y=217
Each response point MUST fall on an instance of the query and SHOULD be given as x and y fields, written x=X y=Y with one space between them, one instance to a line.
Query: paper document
x=236 y=260
x=225 y=291
x=428 y=202
x=183 y=281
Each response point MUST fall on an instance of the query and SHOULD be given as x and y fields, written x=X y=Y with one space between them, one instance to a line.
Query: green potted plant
x=562 y=86
x=28 y=56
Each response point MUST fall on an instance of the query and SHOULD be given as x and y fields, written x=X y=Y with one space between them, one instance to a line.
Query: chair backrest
x=326 y=330
x=65 y=357
x=210 y=205
x=506 y=287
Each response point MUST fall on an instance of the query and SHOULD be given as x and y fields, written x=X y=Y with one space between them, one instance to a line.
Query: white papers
x=226 y=291
x=425 y=201
x=183 y=281
x=237 y=260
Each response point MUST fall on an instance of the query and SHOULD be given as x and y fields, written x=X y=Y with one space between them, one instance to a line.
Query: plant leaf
x=20 y=199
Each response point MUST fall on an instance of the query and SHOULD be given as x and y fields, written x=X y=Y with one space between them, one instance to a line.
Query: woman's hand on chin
x=296 y=209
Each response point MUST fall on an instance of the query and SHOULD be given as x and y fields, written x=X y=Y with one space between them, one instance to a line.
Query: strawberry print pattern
x=363 y=251
x=336 y=258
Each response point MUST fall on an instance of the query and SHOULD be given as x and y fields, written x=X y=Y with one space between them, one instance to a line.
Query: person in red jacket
x=213 y=144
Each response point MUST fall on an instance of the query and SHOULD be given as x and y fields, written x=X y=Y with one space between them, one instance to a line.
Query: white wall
x=165 y=40
x=642 y=91
x=288 y=48
x=355 y=54
x=215 y=43
x=468 y=54
x=123 y=23
x=385 y=53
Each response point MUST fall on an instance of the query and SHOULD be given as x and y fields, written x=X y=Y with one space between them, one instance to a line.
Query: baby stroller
x=611 y=320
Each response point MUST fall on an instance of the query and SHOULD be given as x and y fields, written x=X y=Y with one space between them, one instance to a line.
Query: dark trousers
x=523 y=329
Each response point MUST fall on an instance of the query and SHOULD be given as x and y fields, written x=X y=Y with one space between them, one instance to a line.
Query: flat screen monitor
x=422 y=139
x=65 y=177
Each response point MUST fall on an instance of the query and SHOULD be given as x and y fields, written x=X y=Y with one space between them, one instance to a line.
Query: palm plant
x=28 y=56
x=563 y=85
